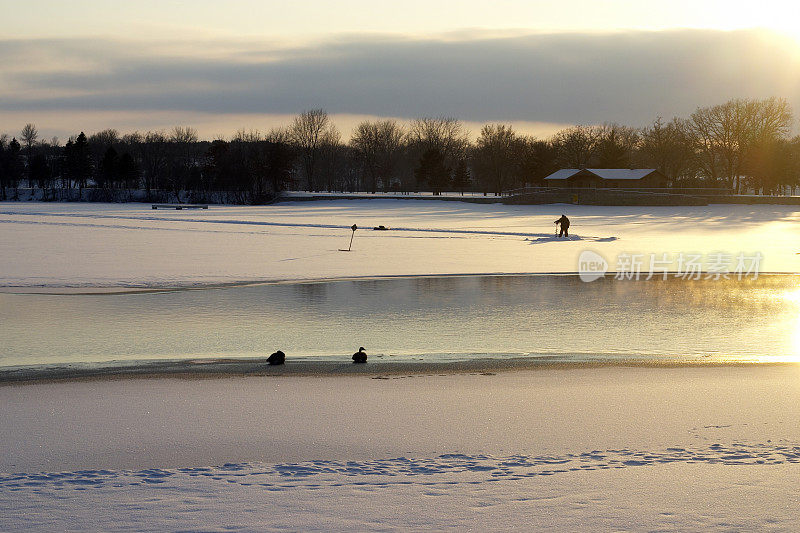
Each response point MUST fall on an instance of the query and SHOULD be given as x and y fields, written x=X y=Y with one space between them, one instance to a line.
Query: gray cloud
x=628 y=77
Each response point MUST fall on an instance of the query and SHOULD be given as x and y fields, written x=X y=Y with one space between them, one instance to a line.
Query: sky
x=86 y=65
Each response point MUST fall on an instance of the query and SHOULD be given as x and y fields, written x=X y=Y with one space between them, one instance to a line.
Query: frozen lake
x=115 y=246
x=425 y=319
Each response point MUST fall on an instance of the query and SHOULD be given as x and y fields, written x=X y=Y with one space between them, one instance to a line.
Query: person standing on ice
x=564 y=221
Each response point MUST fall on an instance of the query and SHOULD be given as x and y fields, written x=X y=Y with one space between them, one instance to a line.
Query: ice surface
x=130 y=245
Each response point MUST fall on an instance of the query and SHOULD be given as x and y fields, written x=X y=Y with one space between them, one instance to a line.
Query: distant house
x=622 y=178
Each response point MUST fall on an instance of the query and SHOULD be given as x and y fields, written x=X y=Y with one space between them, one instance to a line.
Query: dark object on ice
x=380 y=228
x=360 y=356
x=180 y=206
x=564 y=221
x=278 y=358
x=354 y=228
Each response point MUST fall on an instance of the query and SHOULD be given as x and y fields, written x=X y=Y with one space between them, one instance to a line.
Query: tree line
x=743 y=145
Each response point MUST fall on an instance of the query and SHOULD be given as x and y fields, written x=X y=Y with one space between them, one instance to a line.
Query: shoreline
x=200 y=369
x=85 y=290
x=109 y=290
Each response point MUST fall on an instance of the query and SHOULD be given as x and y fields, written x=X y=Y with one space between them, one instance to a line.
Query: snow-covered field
x=131 y=245
x=711 y=448
x=579 y=449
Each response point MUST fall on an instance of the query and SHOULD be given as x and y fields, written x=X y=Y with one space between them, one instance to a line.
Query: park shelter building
x=603 y=178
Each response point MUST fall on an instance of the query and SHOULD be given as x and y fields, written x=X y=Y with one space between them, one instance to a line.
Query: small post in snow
x=354 y=228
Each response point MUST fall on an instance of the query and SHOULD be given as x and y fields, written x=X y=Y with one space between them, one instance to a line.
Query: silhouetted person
x=564 y=221
x=278 y=358
x=360 y=356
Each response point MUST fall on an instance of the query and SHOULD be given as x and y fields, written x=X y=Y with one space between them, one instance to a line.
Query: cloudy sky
x=221 y=66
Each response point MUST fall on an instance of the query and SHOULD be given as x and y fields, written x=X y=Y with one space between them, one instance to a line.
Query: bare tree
x=535 y=160
x=766 y=128
x=616 y=146
x=309 y=132
x=726 y=134
x=494 y=159
x=444 y=134
x=183 y=135
x=29 y=134
x=251 y=136
x=333 y=157
x=771 y=166
x=153 y=155
x=105 y=139
x=278 y=135
x=577 y=146
x=52 y=142
x=713 y=131
x=185 y=138
x=379 y=145
x=667 y=147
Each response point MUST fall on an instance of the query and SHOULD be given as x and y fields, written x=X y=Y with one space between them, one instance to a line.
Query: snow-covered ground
x=131 y=245
x=580 y=449
x=450 y=492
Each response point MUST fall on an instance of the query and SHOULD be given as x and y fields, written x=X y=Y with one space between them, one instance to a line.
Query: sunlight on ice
x=792 y=299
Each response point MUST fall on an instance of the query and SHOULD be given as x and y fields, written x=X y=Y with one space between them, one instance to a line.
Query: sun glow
x=785 y=326
x=772 y=15
x=793 y=299
x=794 y=356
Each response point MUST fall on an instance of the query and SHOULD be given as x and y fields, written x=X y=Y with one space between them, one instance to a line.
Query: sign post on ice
x=354 y=228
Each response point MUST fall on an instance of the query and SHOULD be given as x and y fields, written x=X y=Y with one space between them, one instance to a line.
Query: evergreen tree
x=461 y=177
x=433 y=171
x=82 y=160
x=14 y=166
x=69 y=171
x=128 y=171
x=39 y=171
x=3 y=170
x=109 y=169
x=277 y=161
